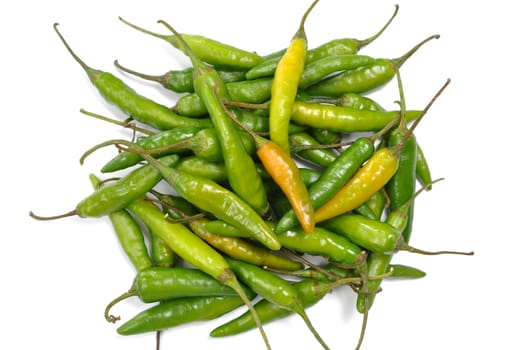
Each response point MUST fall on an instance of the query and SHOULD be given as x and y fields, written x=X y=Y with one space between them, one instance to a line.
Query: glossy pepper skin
x=241 y=169
x=213 y=198
x=140 y=108
x=208 y=50
x=180 y=311
x=370 y=178
x=129 y=235
x=164 y=283
x=366 y=78
x=310 y=292
x=343 y=119
x=334 y=47
x=117 y=195
x=159 y=139
x=285 y=85
x=333 y=178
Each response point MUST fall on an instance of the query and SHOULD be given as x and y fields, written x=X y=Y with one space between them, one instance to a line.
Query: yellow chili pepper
x=372 y=177
x=285 y=85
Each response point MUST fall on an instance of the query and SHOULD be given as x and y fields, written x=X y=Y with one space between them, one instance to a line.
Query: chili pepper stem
x=401 y=60
x=137 y=74
x=124 y=124
x=111 y=318
x=232 y=282
x=397 y=148
x=403 y=246
x=300 y=311
x=92 y=73
x=54 y=217
x=143 y=30
x=364 y=42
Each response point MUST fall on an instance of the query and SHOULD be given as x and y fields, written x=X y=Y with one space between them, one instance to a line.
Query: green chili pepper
x=322 y=242
x=161 y=253
x=325 y=137
x=365 y=78
x=157 y=140
x=405 y=271
x=193 y=165
x=191 y=249
x=374 y=207
x=205 y=144
x=378 y=262
x=180 y=81
x=241 y=169
x=208 y=50
x=401 y=186
x=180 y=311
x=342 y=46
x=118 y=194
x=140 y=108
x=326 y=66
x=321 y=157
x=344 y=119
x=129 y=235
x=247 y=91
x=260 y=124
x=161 y=284
x=275 y=289
x=422 y=169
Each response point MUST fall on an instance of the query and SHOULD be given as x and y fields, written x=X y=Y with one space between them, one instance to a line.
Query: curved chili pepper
x=243 y=175
x=342 y=46
x=157 y=140
x=180 y=81
x=140 y=108
x=129 y=235
x=285 y=85
x=180 y=311
x=161 y=284
x=365 y=78
x=275 y=289
x=208 y=50
x=117 y=195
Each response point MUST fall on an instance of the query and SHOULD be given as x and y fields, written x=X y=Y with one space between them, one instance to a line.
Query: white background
x=57 y=276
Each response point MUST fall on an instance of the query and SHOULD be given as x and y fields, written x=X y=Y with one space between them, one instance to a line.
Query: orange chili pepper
x=285 y=173
x=285 y=85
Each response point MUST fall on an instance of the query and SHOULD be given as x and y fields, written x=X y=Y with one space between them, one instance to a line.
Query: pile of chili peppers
x=262 y=164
